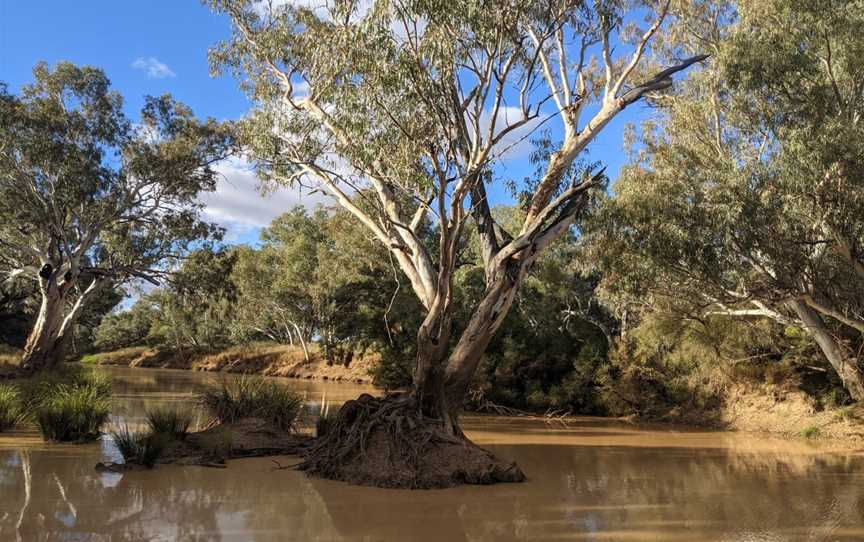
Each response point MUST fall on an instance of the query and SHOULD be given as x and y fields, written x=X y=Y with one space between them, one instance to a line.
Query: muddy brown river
x=588 y=479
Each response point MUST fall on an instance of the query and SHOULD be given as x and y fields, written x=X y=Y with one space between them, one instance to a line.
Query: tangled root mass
x=386 y=442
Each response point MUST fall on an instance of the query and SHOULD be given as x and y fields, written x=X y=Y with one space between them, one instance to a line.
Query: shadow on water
x=587 y=481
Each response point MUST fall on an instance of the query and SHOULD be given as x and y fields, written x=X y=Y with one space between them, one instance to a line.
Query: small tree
x=410 y=104
x=89 y=200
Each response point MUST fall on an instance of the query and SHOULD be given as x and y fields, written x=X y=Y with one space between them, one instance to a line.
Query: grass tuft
x=11 y=407
x=253 y=397
x=72 y=414
x=70 y=404
x=140 y=448
x=170 y=422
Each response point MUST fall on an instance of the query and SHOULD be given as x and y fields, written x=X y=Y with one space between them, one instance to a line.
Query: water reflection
x=591 y=480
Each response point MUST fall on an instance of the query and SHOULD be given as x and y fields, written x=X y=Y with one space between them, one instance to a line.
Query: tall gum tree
x=408 y=105
x=89 y=200
x=747 y=197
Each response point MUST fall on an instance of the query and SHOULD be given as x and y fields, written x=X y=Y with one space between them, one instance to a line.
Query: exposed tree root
x=386 y=443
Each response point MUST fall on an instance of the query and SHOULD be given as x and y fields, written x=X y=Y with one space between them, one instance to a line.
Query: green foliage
x=18 y=305
x=69 y=403
x=197 y=310
x=744 y=196
x=140 y=448
x=253 y=397
x=97 y=200
x=169 y=422
x=72 y=412
x=128 y=328
x=11 y=407
x=811 y=431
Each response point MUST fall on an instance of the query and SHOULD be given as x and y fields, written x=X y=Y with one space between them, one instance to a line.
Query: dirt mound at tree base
x=385 y=443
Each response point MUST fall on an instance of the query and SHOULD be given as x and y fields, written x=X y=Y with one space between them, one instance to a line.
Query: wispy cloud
x=154 y=67
x=239 y=206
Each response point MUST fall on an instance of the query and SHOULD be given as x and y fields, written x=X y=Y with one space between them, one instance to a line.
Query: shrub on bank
x=11 y=407
x=253 y=397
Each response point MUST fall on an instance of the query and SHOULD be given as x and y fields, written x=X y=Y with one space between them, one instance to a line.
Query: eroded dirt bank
x=267 y=360
x=778 y=410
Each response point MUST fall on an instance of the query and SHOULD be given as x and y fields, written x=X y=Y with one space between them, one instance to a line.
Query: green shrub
x=72 y=413
x=11 y=407
x=810 y=432
x=140 y=448
x=169 y=422
x=253 y=397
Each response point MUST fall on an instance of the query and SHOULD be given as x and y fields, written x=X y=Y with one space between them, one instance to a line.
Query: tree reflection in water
x=591 y=480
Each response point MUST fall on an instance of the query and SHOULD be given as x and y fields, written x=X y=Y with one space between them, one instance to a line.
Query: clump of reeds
x=11 y=407
x=253 y=397
x=170 y=422
x=140 y=448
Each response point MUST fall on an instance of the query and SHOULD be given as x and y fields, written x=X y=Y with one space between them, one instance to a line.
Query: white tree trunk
x=846 y=367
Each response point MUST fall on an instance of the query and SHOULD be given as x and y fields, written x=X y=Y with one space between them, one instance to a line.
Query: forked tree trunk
x=847 y=368
x=442 y=381
x=52 y=334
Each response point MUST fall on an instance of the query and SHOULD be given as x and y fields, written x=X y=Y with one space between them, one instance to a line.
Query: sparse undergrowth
x=810 y=432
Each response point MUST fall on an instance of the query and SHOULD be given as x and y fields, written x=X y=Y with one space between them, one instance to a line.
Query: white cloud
x=238 y=205
x=516 y=145
x=154 y=68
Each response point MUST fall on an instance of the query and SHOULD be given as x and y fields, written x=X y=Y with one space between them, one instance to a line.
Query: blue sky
x=158 y=46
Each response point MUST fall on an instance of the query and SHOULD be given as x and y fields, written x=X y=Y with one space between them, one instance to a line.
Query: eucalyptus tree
x=283 y=294
x=748 y=199
x=90 y=200
x=411 y=104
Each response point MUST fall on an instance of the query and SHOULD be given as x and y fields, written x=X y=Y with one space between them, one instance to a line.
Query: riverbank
x=264 y=359
x=777 y=410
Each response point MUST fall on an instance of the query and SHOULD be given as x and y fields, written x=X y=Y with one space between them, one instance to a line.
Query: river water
x=588 y=479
